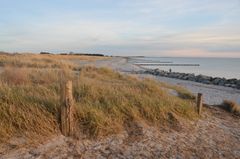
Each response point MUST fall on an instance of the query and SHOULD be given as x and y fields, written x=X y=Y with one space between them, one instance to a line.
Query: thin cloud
x=135 y=27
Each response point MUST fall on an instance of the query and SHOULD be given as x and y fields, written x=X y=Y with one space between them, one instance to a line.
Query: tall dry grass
x=231 y=106
x=104 y=101
x=29 y=101
x=44 y=60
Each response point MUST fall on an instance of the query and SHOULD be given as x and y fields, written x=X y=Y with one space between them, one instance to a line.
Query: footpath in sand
x=215 y=135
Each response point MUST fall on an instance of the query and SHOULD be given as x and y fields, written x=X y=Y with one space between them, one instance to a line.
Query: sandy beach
x=212 y=94
x=214 y=135
x=120 y=79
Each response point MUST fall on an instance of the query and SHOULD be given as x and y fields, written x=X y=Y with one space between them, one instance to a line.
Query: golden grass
x=28 y=103
x=104 y=101
x=231 y=107
x=44 y=60
x=182 y=92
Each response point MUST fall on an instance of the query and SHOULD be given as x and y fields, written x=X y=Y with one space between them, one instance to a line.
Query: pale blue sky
x=124 y=27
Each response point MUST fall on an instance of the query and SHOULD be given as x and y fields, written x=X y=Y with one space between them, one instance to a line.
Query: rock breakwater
x=234 y=83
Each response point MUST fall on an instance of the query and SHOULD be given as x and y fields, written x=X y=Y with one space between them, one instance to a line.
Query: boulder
x=206 y=82
x=192 y=78
x=238 y=84
x=216 y=81
x=181 y=76
x=233 y=85
x=185 y=77
x=232 y=81
x=227 y=85
x=222 y=82
x=203 y=79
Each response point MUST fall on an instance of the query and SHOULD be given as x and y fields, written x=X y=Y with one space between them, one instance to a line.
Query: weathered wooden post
x=67 y=109
x=199 y=103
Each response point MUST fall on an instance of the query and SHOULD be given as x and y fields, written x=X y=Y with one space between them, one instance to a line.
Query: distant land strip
x=165 y=64
x=149 y=62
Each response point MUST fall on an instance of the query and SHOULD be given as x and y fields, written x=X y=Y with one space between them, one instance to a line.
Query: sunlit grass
x=104 y=101
x=231 y=106
x=45 y=60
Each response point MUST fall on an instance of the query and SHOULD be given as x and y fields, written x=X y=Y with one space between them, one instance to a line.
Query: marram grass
x=104 y=101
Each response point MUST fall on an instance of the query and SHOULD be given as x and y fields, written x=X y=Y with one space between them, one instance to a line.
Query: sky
x=206 y=28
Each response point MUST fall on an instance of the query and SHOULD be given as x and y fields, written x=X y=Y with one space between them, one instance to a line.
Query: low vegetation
x=44 y=60
x=182 y=92
x=231 y=107
x=104 y=101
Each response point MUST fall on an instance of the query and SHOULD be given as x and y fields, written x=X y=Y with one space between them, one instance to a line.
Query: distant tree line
x=48 y=53
x=45 y=53
x=4 y=53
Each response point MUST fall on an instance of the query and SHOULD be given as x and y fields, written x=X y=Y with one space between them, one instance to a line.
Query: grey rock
x=206 y=82
x=192 y=78
x=185 y=77
x=227 y=85
x=238 y=84
x=216 y=81
x=234 y=83
x=203 y=78
x=222 y=82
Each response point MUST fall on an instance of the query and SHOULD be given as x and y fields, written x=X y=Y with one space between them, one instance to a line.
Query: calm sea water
x=215 y=67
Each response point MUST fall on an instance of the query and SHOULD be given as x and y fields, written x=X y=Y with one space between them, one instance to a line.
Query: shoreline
x=212 y=94
x=233 y=83
x=215 y=67
x=137 y=137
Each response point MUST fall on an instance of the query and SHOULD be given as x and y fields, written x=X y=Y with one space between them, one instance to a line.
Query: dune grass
x=104 y=101
x=182 y=92
x=44 y=60
x=231 y=106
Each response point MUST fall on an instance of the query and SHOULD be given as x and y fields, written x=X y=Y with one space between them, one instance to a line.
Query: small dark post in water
x=67 y=109
x=170 y=70
x=199 y=103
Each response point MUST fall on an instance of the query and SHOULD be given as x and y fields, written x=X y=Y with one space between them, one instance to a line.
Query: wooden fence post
x=67 y=109
x=199 y=103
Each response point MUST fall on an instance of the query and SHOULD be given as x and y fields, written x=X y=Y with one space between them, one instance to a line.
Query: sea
x=215 y=67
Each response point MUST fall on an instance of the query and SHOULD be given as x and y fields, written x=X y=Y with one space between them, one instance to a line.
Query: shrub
x=231 y=107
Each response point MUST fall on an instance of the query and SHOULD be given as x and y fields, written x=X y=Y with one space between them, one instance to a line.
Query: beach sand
x=216 y=134
x=212 y=94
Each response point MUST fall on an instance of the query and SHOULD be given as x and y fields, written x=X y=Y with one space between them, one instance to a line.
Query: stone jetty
x=234 y=83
